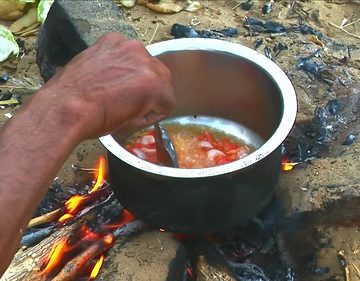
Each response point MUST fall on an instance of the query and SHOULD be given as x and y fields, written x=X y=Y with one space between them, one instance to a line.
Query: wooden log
x=74 y=267
x=25 y=263
x=48 y=217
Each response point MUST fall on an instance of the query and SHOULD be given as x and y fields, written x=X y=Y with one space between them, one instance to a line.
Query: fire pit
x=219 y=79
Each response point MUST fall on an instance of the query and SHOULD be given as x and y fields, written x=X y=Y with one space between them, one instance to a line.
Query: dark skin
x=113 y=83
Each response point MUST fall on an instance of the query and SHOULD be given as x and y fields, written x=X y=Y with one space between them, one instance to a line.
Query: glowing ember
x=55 y=256
x=286 y=165
x=95 y=271
x=100 y=175
x=108 y=239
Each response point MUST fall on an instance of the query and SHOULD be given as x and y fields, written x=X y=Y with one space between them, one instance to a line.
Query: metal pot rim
x=279 y=77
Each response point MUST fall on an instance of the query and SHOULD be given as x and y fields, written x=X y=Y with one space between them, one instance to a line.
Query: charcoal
x=247 y=5
x=316 y=67
x=248 y=272
x=35 y=236
x=258 y=43
x=280 y=273
x=183 y=31
x=349 y=140
x=306 y=29
x=266 y=9
x=263 y=26
x=21 y=44
x=321 y=270
x=4 y=78
x=53 y=199
x=267 y=53
x=280 y=47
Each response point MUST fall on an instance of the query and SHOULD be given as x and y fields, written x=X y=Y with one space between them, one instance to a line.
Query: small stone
x=349 y=140
x=247 y=5
x=4 y=78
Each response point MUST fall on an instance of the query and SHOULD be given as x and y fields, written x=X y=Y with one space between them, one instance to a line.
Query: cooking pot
x=219 y=79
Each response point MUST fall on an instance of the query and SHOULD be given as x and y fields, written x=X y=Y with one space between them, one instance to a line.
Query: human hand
x=113 y=82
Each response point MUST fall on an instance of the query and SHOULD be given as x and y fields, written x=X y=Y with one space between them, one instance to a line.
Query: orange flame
x=100 y=175
x=96 y=269
x=65 y=217
x=288 y=166
x=55 y=255
x=74 y=202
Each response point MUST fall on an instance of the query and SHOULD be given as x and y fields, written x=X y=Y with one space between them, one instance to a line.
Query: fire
x=100 y=175
x=286 y=165
x=108 y=239
x=95 y=271
x=65 y=218
x=98 y=241
x=73 y=203
x=55 y=256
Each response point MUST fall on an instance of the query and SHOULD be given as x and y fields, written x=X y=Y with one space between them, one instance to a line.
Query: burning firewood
x=26 y=261
x=46 y=218
x=71 y=270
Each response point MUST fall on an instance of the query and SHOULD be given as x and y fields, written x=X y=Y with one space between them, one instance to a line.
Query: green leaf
x=8 y=45
x=43 y=9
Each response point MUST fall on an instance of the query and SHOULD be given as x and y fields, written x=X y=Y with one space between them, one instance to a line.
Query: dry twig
x=341 y=255
x=153 y=36
x=357 y=270
x=342 y=27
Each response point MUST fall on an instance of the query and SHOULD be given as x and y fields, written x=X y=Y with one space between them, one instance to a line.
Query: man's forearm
x=33 y=146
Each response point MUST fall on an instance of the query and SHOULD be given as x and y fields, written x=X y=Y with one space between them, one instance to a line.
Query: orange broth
x=196 y=146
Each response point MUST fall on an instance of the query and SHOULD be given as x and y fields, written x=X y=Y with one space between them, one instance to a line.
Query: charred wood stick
x=35 y=237
x=26 y=262
x=89 y=209
x=129 y=229
x=74 y=267
x=46 y=218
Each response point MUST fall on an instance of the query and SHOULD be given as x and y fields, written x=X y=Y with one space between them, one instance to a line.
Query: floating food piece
x=195 y=146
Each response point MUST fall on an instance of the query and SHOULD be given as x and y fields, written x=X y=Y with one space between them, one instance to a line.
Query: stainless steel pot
x=222 y=79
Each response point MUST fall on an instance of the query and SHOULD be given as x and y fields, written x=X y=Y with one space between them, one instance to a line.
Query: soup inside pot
x=197 y=145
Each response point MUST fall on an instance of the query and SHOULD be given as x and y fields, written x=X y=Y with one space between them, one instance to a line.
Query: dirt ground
x=311 y=91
